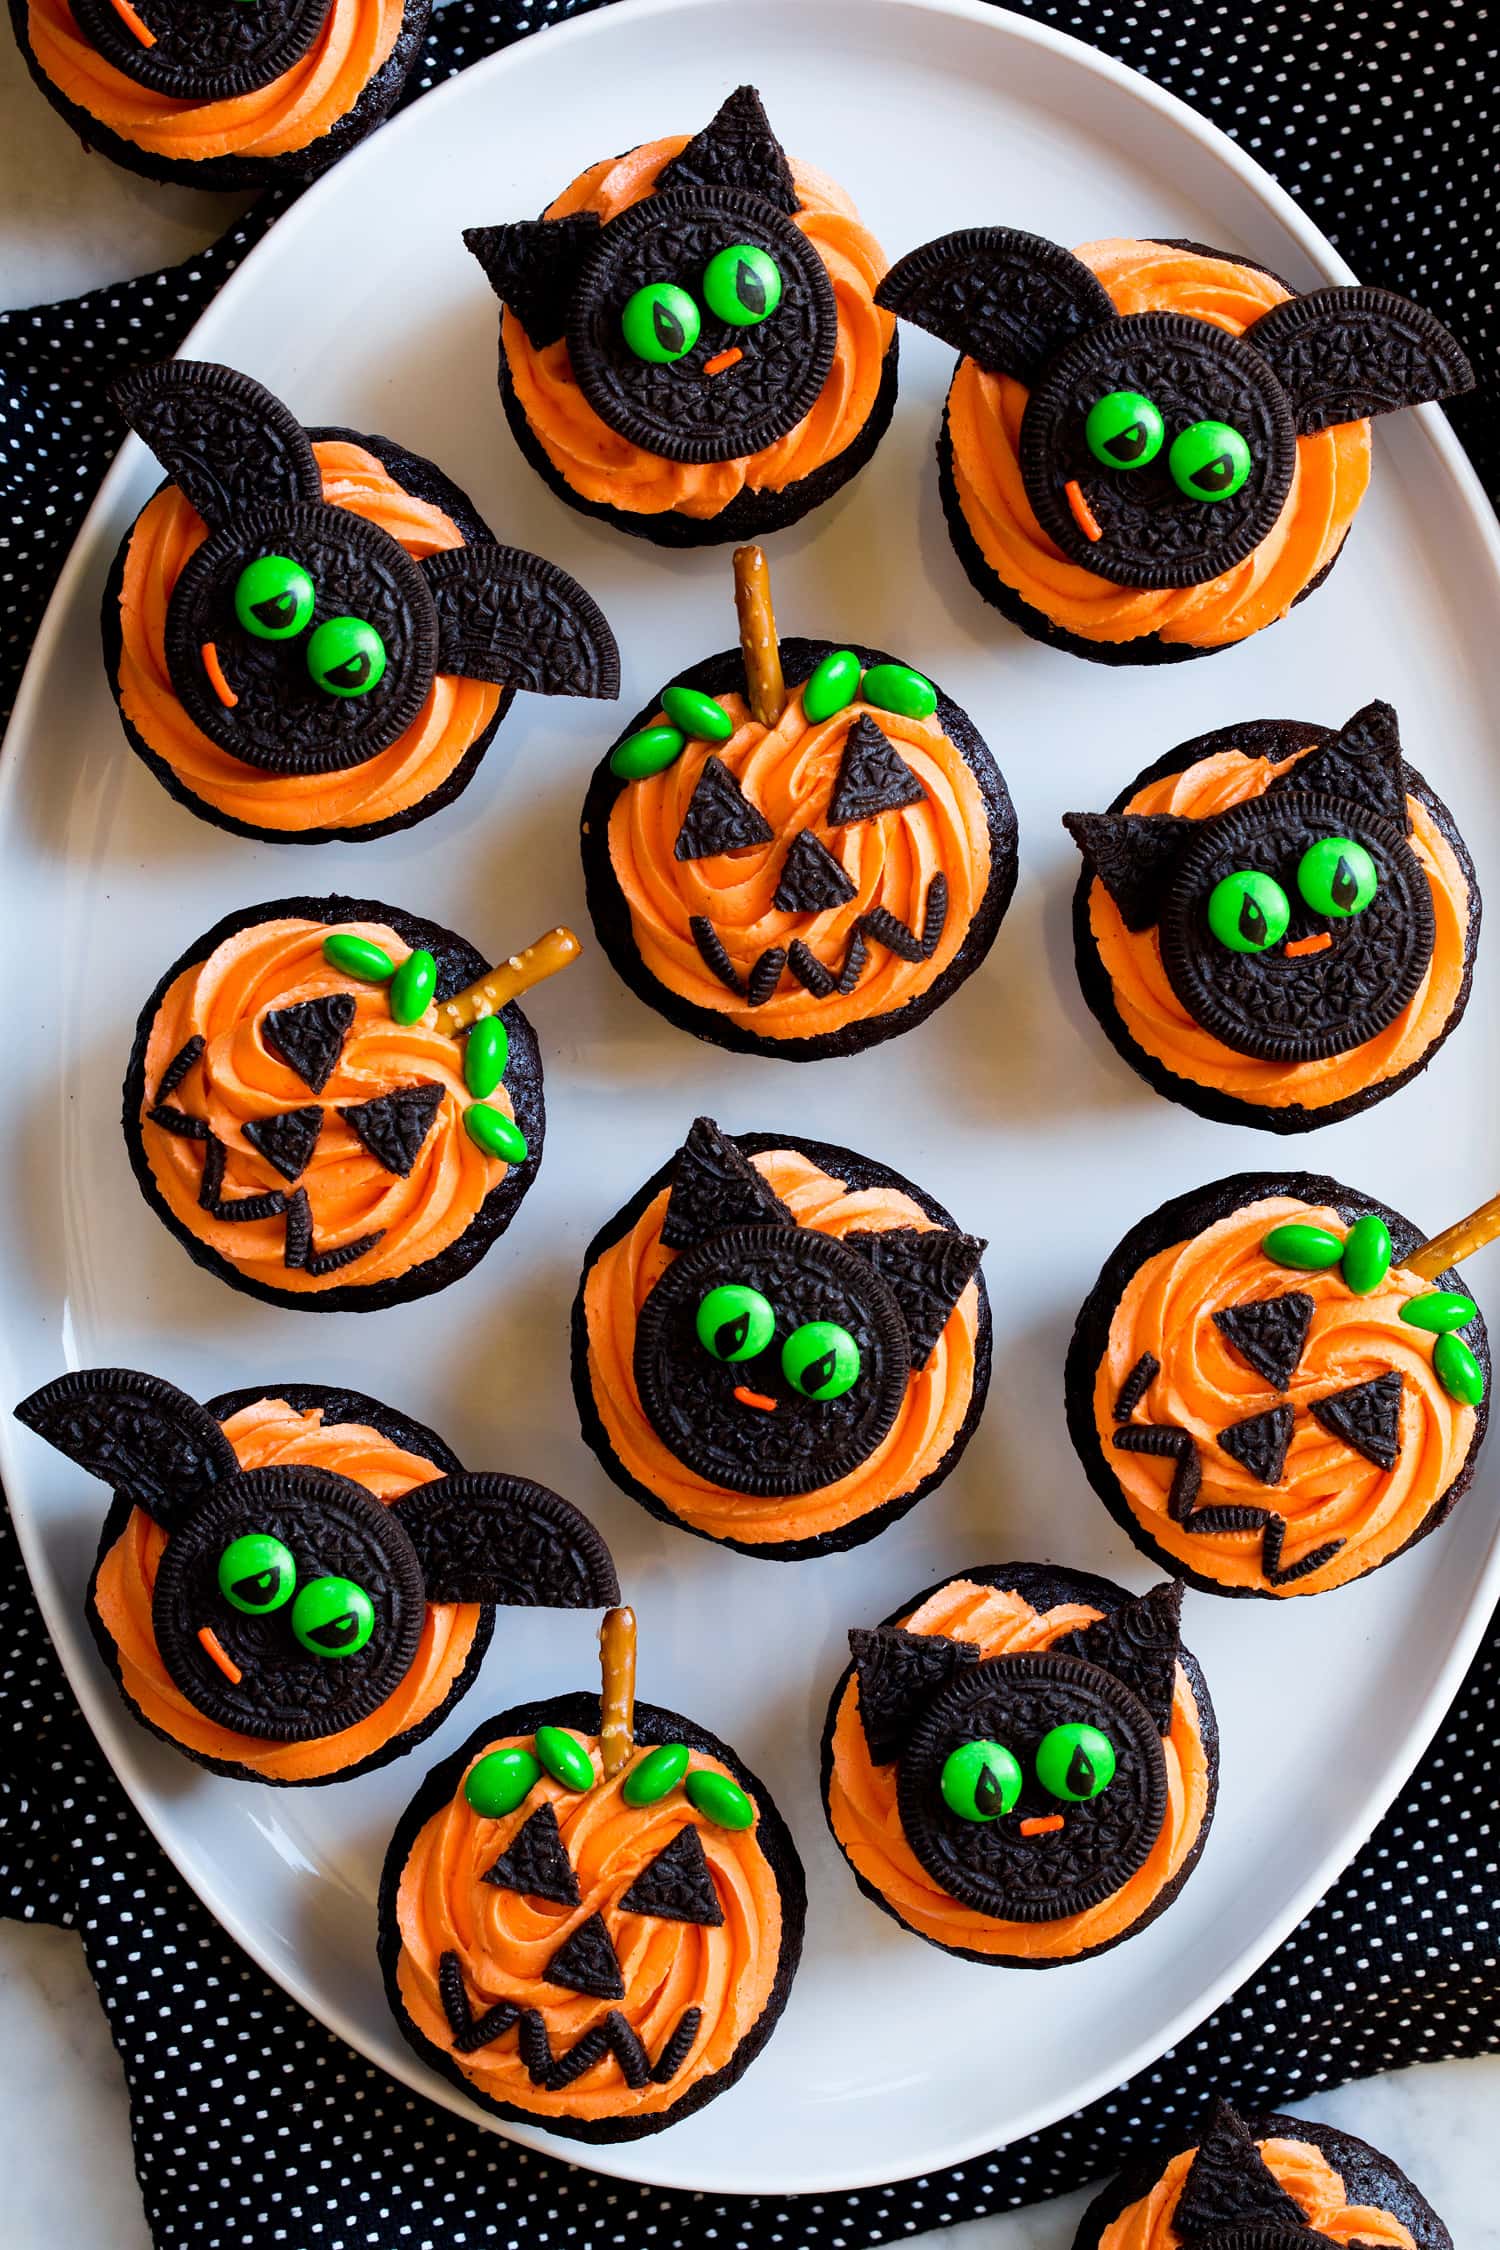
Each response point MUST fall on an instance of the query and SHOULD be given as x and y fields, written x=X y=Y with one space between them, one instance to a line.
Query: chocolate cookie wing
x=484 y=1538
x=510 y=617
x=533 y=267
x=223 y=439
x=1005 y=298
x=1341 y=354
x=142 y=1437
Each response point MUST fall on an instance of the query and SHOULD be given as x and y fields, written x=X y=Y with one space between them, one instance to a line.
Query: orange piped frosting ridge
x=603 y=467
x=272 y=1434
x=1299 y=2167
x=165 y=535
x=504 y=1941
x=862 y=1795
x=1326 y=1490
x=1328 y=483
x=1158 y=1022
x=931 y=1416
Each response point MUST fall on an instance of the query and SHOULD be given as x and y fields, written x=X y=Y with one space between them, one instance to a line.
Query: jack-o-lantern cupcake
x=690 y=347
x=1152 y=450
x=335 y=1105
x=780 y=1345
x=1020 y=1765
x=296 y=1584
x=800 y=849
x=1277 y=1385
x=1276 y=923
x=310 y=634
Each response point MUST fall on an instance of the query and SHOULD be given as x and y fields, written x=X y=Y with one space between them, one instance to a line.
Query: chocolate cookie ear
x=737 y=150
x=224 y=439
x=899 y=1673
x=501 y=1539
x=1139 y=1644
x=928 y=1269
x=507 y=616
x=1363 y=761
x=1135 y=857
x=146 y=1440
x=1340 y=354
x=1230 y=2184
x=533 y=267
x=714 y=1186
x=1007 y=299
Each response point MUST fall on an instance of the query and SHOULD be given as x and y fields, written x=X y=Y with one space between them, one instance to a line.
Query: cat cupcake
x=1020 y=1765
x=296 y=1584
x=779 y=1345
x=690 y=347
x=1152 y=450
x=310 y=634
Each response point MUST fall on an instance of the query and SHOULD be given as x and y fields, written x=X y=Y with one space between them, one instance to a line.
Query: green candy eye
x=333 y=1617
x=1337 y=876
x=821 y=1360
x=661 y=323
x=742 y=285
x=1124 y=430
x=1075 y=1763
x=1209 y=461
x=256 y=1573
x=1248 y=911
x=980 y=1780
x=735 y=1322
x=346 y=656
x=273 y=598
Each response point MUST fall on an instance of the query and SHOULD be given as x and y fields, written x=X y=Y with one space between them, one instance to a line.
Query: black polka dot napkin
x=252 y=2125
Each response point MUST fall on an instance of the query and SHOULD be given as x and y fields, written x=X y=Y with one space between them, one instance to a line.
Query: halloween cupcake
x=1276 y=923
x=335 y=1105
x=779 y=1345
x=1274 y=2183
x=1020 y=1765
x=799 y=849
x=296 y=1585
x=690 y=346
x=221 y=97
x=1276 y=1385
x=1151 y=449
x=591 y=1914
x=310 y=634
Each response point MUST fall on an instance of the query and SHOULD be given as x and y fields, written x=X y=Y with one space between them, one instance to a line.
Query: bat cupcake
x=592 y=1913
x=296 y=1585
x=335 y=1105
x=310 y=634
x=1277 y=1386
x=1276 y=923
x=1152 y=450
x=779 y=1345
x=800 y=849
x=690 y=347
x=1020 y=1765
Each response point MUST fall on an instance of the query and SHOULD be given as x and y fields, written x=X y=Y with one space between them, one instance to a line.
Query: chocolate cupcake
x=311 y=635
x=1277 y=1385
x=1020 y=1765
x=799 y=849
x=779 y=1345
x=1276 y=923
x=1150 y=449
x=296 y=1585
x=335 y=1105
x=690 y=347
x=1278 y=2183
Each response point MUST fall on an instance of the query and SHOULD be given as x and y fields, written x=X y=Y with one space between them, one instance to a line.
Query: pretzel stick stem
x=764 y=682
x=507 y=980
x=617 y=1689
x=1457 y=1242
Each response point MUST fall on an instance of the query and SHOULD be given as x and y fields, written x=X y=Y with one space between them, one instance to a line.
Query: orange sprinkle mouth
x=221 y=1656
x=1319 y=942
x=133 y=23
x=1083 y=514
x=754 y=1398
x=714 y=366
x=210 y=657
x=1047 y=1827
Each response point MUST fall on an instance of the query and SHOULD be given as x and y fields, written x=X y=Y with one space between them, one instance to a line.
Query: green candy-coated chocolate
x=695 y=714
x=649 y=750
x=1458 y=1370
x=657 y=1774
x=831 y=685
x=1209 y=461
x=1249 y=911
x=661 y=323
x=498 y=1135
x=358 y=957
x=1367 y=1254
x=1439 y=1310
x=346 y=656
x=896 y=687
x=719 y=1799
x=1124 y=430
x=486 y=1053
x=257 y=1573
x=1075 y=1762
x=1306 y=1249
x=981 y=1780
x=502 y=1780
x=565 y=1758
x=413 y=986
x=333 y=1617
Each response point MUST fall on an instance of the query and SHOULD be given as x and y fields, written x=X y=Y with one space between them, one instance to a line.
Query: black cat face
x=1158 y=450
x=303 y=638
x=201 y=50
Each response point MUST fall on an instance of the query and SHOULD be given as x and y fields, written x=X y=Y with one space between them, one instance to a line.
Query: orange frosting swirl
x=932 y=1413
x=272 y=1434
x=504 y=1941
x=457 y=711
x=862 y=1795
x=296 y=109
x=1328 y=483
x=1326 y=1490
x=788 y=772
x=1157 y=1020
x=602 y=466
x=1299 y=2167
x=275 y=964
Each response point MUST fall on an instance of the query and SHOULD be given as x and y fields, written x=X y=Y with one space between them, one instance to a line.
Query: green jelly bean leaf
x=498 y=1135
x=486 y=1053
x=657 y=1774
x=1306 y=1249
x=1458 y=1370
x=649 y=750
x=1439 y=1310
x=1366 y=1257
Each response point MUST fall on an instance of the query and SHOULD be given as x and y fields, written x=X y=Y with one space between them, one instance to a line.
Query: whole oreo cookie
x=202 y=53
